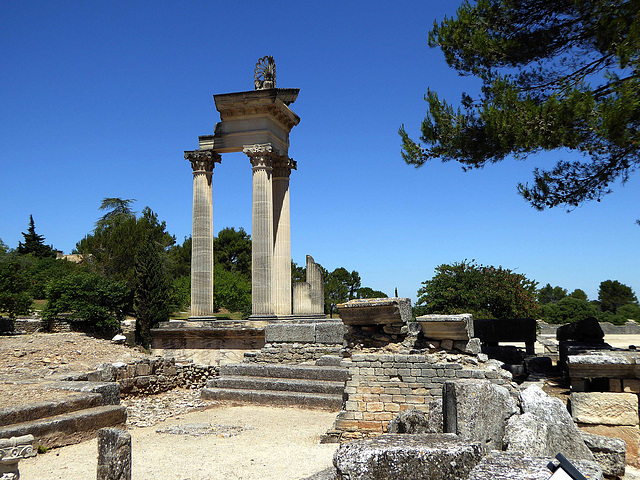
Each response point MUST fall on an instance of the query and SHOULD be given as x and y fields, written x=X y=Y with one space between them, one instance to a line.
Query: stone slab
x=407 y=457
x=114 y=454
x=630 y=435
x=447 y=327
x=514 y=466
x=604 y=408
x=375 y=311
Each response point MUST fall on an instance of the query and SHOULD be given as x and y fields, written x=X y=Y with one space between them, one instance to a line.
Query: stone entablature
x=381 y=385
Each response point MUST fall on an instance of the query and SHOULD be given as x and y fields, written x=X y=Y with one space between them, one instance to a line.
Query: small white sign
x=560 y=474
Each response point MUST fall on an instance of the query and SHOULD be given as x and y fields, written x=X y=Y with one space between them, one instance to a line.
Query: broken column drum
x=256 y=123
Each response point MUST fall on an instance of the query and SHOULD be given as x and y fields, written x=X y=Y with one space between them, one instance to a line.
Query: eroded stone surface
x=604 y=408
x=609 y=453
x=477 y=410
x=515 y=466
x=410 y=421
x=545 y=428
x=114 y=454
x=447 y=327
x=407 y=457
x=373 y=311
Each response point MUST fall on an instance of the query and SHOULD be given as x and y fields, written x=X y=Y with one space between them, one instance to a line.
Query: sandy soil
x=274 y=443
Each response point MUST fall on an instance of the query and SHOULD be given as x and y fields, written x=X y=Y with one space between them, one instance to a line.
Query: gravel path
x=239 y=442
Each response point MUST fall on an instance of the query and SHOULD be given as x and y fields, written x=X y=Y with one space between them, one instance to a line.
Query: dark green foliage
x=181 y=293
x=46 y=269
x=367 y=292
x=484 y=291
x=111 y=248
x=179 y=261
x=117 y=209
x=14 y=286
x=555 y=76
x=88 y=298
x=568 y=309
x=152 y=300
x=579 y=294
x=339 y=286
x=298 y=273
x=232 y=251
x=612 y=295
x=232 y=291
x=34 y=243
x=549 y=294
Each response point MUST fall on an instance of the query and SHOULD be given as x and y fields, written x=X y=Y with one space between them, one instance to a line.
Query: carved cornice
x=202 y=161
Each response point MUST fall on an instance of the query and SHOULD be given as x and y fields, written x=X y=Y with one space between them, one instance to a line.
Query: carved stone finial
x=264 y=75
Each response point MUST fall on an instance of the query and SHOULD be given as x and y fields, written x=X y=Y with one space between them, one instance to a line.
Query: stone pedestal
x=114 y=454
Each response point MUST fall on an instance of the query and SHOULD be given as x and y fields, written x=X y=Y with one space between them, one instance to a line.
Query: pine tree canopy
x=556 y=75
x=34 y=243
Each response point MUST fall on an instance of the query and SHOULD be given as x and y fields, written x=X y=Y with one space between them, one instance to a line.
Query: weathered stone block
x=114 y=454
x=407 y=457
x=609 y=453
x=465 y=411
x=409 y=421
x=514 y=466
x=447 y=327
x=630 y=435
x=289 y=332
x=373 y=311
x=329 y=332
x=604 y=408
x=544 y=429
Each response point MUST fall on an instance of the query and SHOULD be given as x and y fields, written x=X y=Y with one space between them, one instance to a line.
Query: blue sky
x=100 y=99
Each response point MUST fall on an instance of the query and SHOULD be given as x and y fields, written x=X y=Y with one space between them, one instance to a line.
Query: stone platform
x=208 y=342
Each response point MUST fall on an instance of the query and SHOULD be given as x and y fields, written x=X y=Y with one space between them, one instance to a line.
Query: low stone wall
x=25 y=325
x=152 y=375
x=629 y=328
x=292 y=353
x=381 y=385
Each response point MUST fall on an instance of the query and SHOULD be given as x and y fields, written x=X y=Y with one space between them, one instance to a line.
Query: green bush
x=484 y=291
x=14 y=297
x=567 y=310
x=232 y=291
x=88 y=298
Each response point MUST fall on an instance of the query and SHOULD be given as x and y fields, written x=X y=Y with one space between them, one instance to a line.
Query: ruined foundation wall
x=381 y=385
x=152 y=375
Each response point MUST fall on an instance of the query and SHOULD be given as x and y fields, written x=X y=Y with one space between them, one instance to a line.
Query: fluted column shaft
x=262 y=230
x=202 y=163
x=281 y=284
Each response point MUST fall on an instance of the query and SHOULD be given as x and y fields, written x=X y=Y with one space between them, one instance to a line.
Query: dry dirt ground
x=175 y=435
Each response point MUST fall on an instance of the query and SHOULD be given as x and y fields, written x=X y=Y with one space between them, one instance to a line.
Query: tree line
x=495 y=292
x=131 y=265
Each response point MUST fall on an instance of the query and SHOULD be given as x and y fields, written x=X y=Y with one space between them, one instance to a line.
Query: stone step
x=280 y=384
x=268 y=370
x=35 y=411
x=271 y=397
x=68 y=428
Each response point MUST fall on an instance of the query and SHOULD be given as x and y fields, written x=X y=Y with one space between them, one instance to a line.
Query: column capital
x=283 y=165
x=261 y=155
x=202 y=161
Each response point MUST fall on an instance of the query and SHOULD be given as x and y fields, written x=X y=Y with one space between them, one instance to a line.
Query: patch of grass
x=38 y=304
x=41 y=449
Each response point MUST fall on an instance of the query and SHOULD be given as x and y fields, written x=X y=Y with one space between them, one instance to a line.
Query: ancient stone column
x=281 y=268
x=202 y=163
x=315 y=278
x=261 y=157
x=302 y=298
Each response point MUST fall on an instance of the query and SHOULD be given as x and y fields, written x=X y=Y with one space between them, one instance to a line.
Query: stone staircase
x=310 y=386
x=71 y=418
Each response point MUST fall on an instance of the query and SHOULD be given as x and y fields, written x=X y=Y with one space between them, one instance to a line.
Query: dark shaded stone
x=609 y=453
x=409 y=421
x=587 y=331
